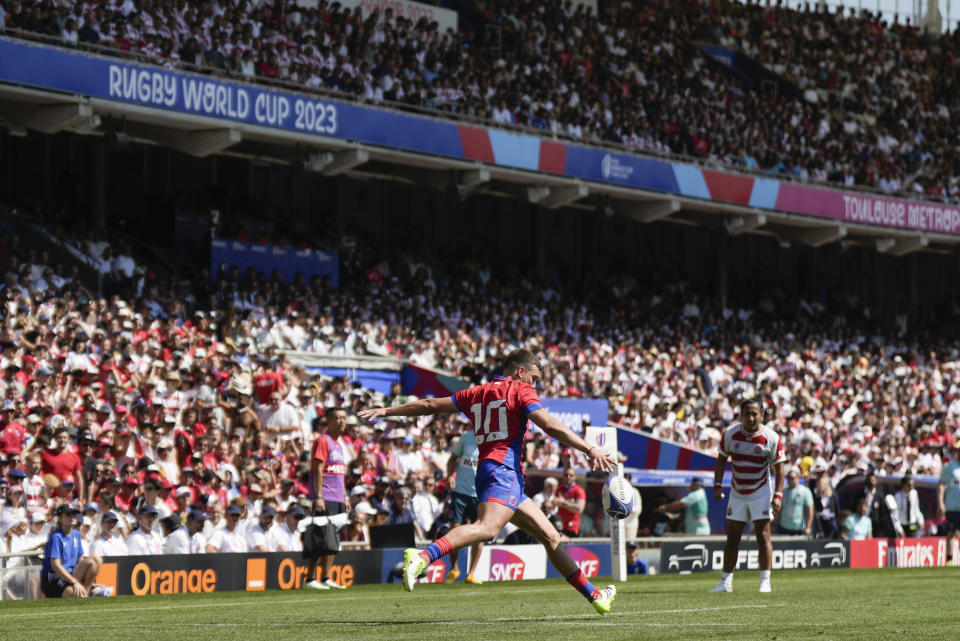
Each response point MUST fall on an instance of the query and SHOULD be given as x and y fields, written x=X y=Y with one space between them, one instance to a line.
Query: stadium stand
x=153 y=371
x=151 y=389
x=636 y=77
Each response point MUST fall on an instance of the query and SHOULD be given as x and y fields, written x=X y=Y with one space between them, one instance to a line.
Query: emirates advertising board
x=928 y=552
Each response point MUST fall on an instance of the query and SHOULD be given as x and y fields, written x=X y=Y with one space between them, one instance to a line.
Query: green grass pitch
x=807 y=604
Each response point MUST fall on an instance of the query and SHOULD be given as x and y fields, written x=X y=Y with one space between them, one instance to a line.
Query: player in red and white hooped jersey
x=754 y=451
x=499 y=412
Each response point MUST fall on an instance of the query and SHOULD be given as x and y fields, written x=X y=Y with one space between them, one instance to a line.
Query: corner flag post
x=605 y=438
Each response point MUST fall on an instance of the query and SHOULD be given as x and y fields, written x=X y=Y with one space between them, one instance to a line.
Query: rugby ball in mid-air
x=617 y=497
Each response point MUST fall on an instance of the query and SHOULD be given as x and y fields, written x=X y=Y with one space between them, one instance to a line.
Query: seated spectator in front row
x=109 y=543
x=228 y=538
x=66 y=571
x=636 y=565
x=145 y=539
x=858 y=525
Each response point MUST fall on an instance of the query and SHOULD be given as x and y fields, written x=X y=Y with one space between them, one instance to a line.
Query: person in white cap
x=12 y=527
x=183 y=496
x=109 y=543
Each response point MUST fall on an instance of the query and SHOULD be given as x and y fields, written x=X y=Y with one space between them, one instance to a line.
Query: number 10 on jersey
x=482 y=429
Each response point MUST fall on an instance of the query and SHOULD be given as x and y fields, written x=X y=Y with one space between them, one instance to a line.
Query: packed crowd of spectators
x=874 y=108
x=115 y=403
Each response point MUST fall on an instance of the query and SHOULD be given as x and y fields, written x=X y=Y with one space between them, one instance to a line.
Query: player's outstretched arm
x=422 y=407
x=545 y=421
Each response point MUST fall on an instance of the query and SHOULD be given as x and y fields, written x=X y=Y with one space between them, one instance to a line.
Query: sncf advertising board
x=512 y=563
x=518 y=562
x=927 y=552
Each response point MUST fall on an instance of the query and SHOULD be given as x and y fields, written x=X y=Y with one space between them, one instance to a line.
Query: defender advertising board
x=787 y=555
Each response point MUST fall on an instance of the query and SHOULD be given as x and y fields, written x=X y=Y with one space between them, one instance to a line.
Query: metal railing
x=22 y=579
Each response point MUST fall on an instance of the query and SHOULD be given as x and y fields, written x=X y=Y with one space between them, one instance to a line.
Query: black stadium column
x=99 y=211
x=722 y=242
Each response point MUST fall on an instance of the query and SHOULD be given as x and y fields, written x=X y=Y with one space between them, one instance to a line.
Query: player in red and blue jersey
x=499 y=411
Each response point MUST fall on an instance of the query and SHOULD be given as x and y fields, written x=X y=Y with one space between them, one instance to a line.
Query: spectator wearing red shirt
x=61 y=462
x=25 y=375
x=12 y=432
x=268 y=67
x=570 y=501
x=125 y=494
x=266 y=384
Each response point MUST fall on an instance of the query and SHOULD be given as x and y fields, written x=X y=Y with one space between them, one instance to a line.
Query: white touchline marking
x=597 y=621
x=319 y=599
x=548 y=619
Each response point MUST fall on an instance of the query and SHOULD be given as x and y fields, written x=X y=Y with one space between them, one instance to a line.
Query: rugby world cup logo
x=505 y=566
x=612 y=168
x=586 y=560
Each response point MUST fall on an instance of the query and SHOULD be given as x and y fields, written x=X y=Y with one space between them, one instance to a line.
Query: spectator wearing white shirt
x=288 y=530
x=109 y=543
x=546 y=499
x=254 y=501
x=426 y=507
x=33 y=484
x=408 y=459
x=123 y=265
x=908 y=508
x=194 y=527
x=503 y=115
x=145 y=540
x=228 y=538
x=278 y=416
x=178 y=538
x=262 y=537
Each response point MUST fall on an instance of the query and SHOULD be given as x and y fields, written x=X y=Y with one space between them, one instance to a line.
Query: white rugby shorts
x=750 y=507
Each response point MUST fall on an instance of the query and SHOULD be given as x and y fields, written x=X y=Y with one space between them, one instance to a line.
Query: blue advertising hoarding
x=622 y=169
x=289 y=261
x=576 y=413
x=150 y=86
x=375 y=379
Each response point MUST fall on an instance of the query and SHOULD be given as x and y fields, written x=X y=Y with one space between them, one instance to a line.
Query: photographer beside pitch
x=752 y=449
x=499 y=411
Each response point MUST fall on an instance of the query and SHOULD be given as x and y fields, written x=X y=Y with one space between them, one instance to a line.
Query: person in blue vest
x=67 y=571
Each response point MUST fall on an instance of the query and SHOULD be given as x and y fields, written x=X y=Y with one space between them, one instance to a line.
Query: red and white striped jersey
x=751 y=456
